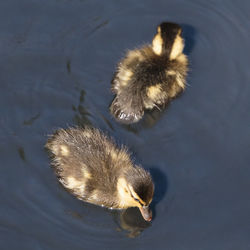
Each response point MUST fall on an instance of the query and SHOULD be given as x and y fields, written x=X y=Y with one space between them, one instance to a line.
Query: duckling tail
x=127 y=110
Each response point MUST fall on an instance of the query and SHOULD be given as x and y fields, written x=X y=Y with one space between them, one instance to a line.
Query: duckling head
x=136 y=189
x=168 y=40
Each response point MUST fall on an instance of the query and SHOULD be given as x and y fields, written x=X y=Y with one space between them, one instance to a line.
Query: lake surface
x=57 y=60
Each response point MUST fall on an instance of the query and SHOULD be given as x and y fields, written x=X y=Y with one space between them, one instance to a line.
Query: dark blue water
x=57 y=58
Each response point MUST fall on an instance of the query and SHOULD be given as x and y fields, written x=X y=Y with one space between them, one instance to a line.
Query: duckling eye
x=138 y=201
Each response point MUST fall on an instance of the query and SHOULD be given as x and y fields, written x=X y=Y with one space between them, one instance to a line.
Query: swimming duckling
x=91 y=167
x=151 y=76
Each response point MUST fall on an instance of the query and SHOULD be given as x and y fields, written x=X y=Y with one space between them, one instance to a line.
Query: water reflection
x=131 y=221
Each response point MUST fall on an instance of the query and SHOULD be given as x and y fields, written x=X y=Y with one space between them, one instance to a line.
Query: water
x=57 y=60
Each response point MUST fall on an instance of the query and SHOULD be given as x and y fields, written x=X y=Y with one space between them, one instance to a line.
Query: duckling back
x=88 y=164
x=147 y=78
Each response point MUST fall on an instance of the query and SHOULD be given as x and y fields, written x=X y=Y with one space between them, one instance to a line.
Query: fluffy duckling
x=151 y=76
x=91 y=167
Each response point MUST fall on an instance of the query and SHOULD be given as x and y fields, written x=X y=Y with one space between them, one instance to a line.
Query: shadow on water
x=161 y=186
x=130 y=220
x=81 y=117
x=189 y=35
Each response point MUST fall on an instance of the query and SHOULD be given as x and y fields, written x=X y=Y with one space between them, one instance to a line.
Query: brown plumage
x=151 y=76
x=94 y=169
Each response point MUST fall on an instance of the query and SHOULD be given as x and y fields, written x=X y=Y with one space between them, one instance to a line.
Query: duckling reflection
x=91 y=167
x=151 y=76
x=131 y=222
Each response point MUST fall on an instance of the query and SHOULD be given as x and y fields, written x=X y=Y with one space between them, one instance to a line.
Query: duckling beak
x=146 y=213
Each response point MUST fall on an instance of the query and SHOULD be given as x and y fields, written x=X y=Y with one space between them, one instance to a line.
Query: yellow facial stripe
x=157 y=44
x=136 y=197
x=177 y=47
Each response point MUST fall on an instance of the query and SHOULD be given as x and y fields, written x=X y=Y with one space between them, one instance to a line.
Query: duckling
x=151 y=76
x=94 y=169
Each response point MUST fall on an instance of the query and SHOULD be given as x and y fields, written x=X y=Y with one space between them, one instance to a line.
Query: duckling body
x=151 y=76
x=91 y=167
